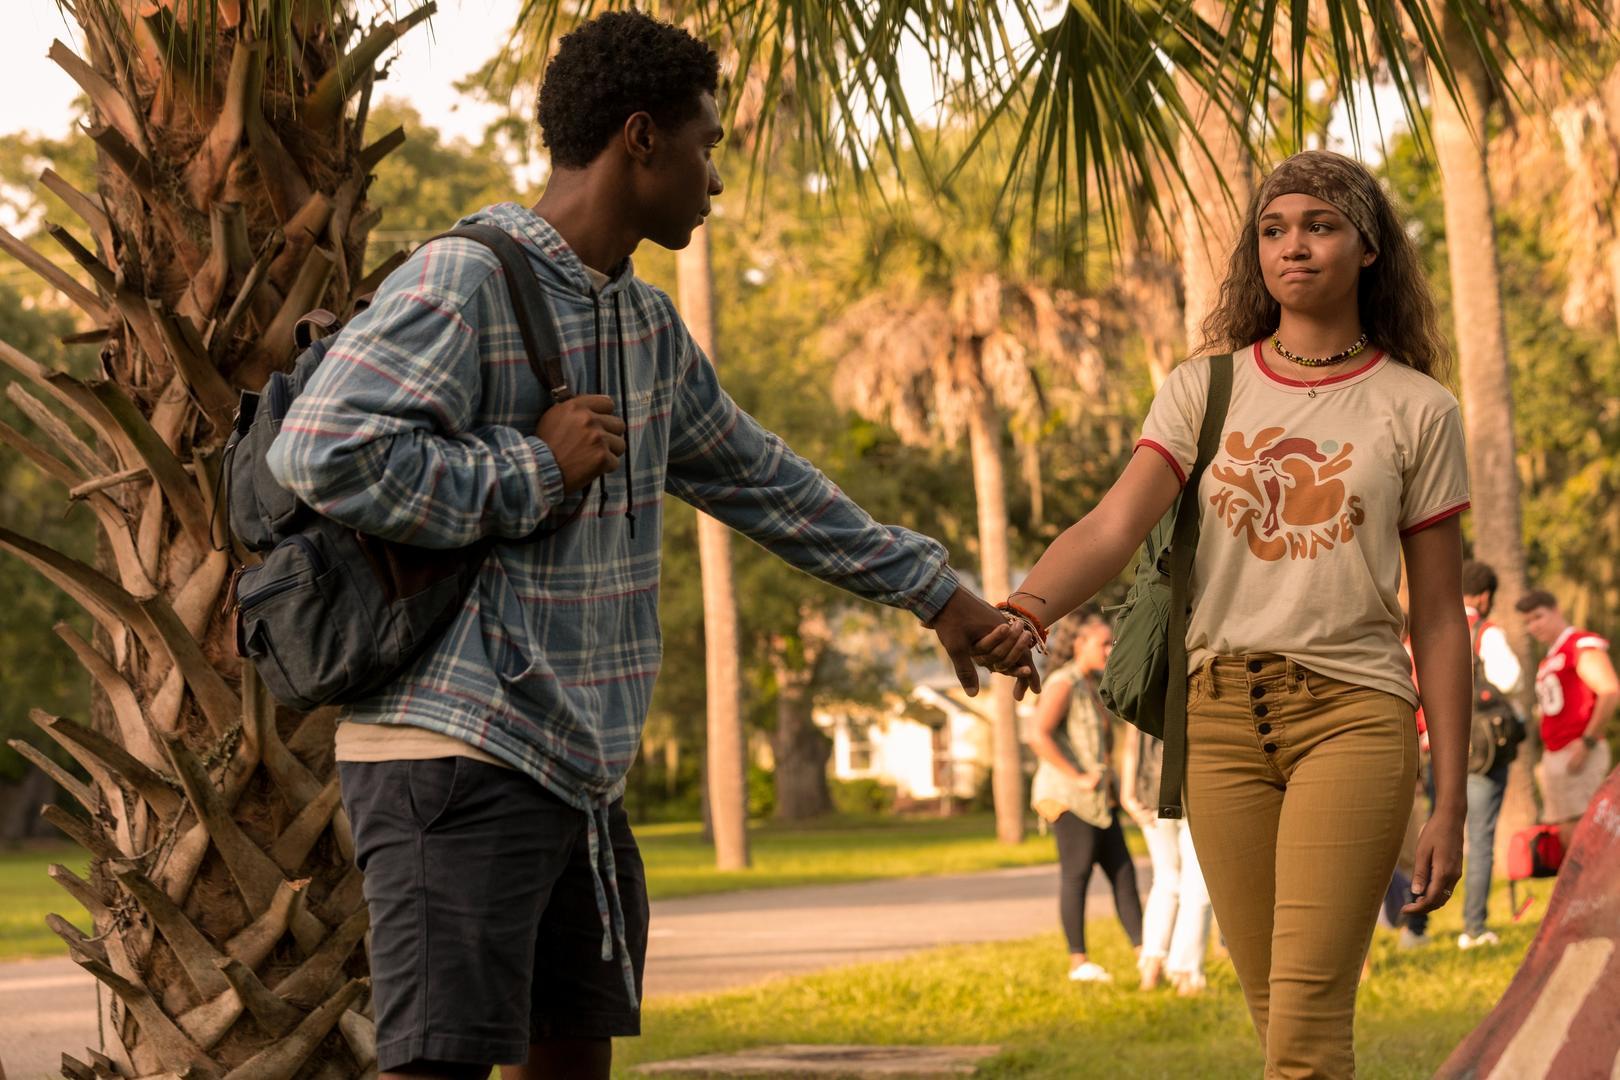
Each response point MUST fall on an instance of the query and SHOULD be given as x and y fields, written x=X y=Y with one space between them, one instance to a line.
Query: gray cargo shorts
x=485 y=934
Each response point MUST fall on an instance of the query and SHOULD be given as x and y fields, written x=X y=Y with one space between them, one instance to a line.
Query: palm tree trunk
x=1209 y=214
x=727 y=745
x=1484 y=370
x=230 y=200
x=1614 y=278
x=990 y=493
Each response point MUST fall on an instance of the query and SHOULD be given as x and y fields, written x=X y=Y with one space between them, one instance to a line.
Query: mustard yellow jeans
x=1298 y=792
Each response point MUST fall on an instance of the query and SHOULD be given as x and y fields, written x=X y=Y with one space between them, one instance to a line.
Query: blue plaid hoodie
x=418 y=427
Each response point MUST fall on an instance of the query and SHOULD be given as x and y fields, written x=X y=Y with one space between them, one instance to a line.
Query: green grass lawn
x=27 y=896
x=1416 y=1008
x=827 y=851
x=679 y=863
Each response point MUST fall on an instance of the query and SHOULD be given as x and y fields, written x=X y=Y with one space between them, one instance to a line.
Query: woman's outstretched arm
x=1095 y=549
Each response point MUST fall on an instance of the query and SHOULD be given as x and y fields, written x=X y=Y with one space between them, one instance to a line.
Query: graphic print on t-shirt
x=1281 y=493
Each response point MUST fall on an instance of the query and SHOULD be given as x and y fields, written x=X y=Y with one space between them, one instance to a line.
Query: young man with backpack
x=1497 y=675
x=507 y=897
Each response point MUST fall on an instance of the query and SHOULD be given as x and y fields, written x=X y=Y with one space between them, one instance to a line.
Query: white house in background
x=933 y=743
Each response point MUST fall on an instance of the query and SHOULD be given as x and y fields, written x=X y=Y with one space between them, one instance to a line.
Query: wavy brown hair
x=1397 y=308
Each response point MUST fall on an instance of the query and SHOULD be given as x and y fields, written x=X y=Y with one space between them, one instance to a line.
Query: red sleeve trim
x=1163 y=452
x=1435 y=519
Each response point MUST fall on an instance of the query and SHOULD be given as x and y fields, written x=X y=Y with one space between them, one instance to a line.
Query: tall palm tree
x=230 y=200
x=1485 y=370
x=956 y=356
x=1487 y=398
x=726 y=742
x=1219 y=175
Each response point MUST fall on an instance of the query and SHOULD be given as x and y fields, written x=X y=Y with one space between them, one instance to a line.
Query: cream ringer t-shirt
x=405 y=742
x=1304 y=507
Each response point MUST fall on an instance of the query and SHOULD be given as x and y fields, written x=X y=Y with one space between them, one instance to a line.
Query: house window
x=860 y=747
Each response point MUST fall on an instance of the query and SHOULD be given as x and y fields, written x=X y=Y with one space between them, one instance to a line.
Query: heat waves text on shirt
x=1283 y=494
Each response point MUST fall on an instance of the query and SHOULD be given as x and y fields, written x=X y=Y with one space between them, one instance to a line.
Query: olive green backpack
x=1150 y=639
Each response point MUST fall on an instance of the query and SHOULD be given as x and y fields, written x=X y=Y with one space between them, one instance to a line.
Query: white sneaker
x=1484 y=937
x=1089 y=972
x=1410 y=940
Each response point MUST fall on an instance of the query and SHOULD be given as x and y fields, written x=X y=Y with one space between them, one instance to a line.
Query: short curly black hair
x=612 y=67
x=1477 y=577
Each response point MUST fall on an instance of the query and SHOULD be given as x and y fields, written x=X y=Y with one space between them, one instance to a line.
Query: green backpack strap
x=1183 y=546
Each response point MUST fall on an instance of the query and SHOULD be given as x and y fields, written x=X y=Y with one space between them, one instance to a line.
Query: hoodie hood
x=559 y=268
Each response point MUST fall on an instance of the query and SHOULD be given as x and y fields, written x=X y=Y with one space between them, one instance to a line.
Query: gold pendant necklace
x=1310 y=391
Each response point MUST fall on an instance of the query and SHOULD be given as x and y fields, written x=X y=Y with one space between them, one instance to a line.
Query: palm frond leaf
x=1103 y=87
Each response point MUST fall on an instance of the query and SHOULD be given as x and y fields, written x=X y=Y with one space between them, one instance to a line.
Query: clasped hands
x=974 y=635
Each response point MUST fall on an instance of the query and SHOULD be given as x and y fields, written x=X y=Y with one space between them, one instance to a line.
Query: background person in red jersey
x=1577 y=691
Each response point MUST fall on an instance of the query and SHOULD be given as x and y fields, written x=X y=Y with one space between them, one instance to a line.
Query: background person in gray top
x=1076 y=787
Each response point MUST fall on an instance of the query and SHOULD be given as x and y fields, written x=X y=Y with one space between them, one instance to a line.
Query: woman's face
x=1310 y=254
x=1092 y=645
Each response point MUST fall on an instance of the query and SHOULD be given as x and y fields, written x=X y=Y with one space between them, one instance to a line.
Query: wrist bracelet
x=1026 y=615
x=1027 y=620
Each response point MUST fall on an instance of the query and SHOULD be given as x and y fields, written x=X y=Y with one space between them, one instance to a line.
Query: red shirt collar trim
x=1260 y=361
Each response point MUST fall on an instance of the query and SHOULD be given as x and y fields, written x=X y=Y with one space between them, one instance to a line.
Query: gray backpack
x=330 y=614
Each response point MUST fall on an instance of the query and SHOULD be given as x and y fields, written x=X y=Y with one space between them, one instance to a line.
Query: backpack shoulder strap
x=1476 y=633
x=1183 y=546
x=1216 y=402
x=529 y=304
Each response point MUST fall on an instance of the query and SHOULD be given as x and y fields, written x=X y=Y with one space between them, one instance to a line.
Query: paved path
x=698 y=944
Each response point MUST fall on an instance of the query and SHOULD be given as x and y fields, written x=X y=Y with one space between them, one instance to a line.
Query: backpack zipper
x=317 y=561
x=258 y=596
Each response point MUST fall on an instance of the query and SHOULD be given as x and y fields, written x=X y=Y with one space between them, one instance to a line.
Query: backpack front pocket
x=305 y=624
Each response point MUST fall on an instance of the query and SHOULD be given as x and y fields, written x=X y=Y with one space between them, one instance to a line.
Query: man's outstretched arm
x=724 y=463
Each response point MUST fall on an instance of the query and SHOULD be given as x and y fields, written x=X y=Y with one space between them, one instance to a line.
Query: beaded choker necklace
x=1320 y=361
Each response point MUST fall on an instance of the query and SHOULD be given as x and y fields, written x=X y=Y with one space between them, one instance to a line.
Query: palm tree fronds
x=1102 y=112
x=325 y=102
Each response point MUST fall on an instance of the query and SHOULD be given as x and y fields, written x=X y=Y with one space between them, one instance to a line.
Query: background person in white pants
x=1175 y=928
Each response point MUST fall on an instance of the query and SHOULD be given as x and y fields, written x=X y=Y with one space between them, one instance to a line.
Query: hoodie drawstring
x=605 y=878
x=624 y=391
x=601 y=388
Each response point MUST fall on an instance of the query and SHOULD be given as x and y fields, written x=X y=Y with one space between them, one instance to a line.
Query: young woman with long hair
x=1341 y=453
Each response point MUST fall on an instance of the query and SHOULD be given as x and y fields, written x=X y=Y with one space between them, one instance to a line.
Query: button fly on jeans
x=1258 y=691
x=1255 y=665
x=1261 y=710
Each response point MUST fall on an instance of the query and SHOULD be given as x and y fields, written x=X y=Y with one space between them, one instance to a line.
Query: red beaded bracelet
x=1026 y=615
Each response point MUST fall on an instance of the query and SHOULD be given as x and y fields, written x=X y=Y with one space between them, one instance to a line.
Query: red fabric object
x=1422 y=725
x=1534 y=852
x=1560 y=1016
x=1565 y=699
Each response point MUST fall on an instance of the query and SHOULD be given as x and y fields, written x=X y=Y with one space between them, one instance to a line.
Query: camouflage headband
x=1341 y=182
